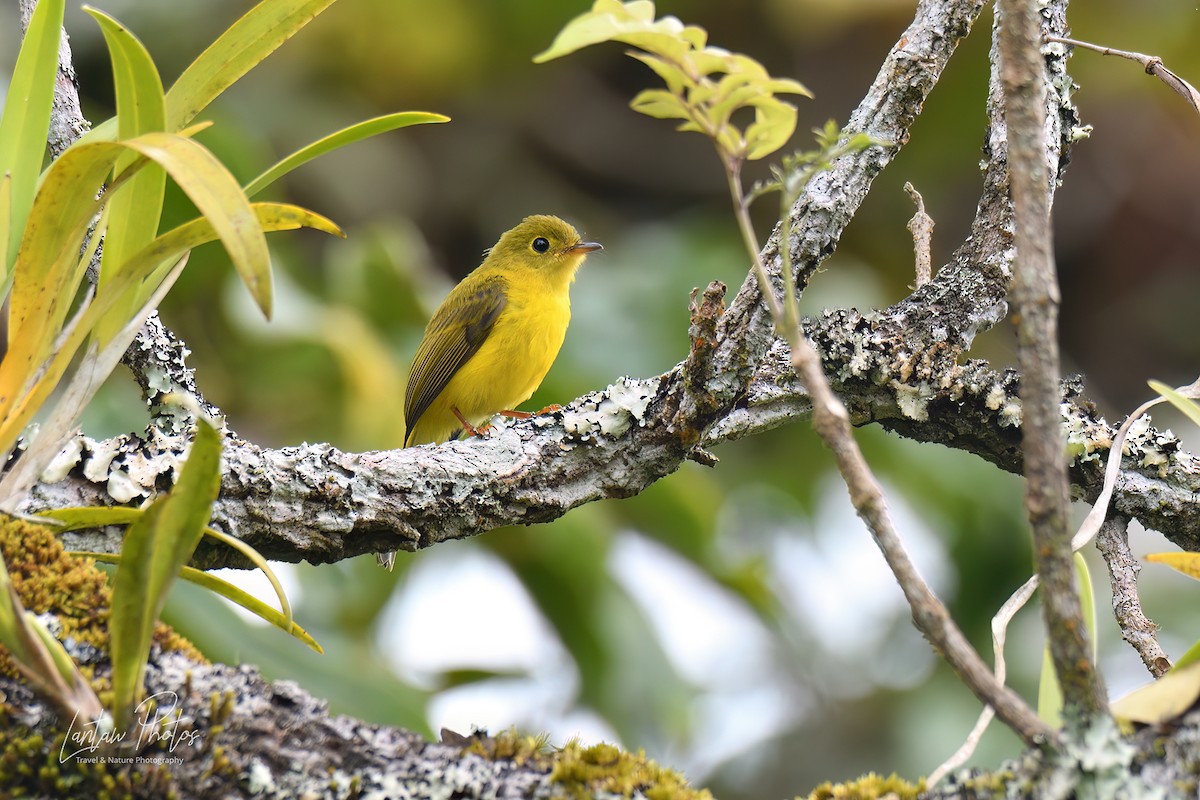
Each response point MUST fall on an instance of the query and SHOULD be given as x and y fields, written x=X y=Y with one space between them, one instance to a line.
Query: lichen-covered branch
x=1123 y=567
x=1035 y=295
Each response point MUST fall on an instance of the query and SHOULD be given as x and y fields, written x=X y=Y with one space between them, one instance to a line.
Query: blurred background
x=734 y=622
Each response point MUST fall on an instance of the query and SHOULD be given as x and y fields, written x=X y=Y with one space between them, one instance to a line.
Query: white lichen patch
x=122 y=488
x=913 y=401
x=1086 y=440
x=259 y=778
x=61 y=465
x=859 y=363
x=95 y=469
x=129 y=468
x=611 y=412
x=159 y=380
x=996 y=397
x=1010 y=413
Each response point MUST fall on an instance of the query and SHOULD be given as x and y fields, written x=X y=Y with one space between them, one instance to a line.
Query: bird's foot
x=550 y=409
x=471 y=430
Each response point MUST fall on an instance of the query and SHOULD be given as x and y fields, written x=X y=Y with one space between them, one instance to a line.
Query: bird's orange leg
x=468 y=427
x=550 y=409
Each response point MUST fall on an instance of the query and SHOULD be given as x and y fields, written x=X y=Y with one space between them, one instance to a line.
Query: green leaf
x=246 y=43
x=333 y=141
x=26 y=118
x=774 y=123
x=80 y=517
x=1087 y=603
x=1190 y=657
x=40 y=658
x=629 y=23
x=155 y=548
x=675 y=78
x=77 y=518
x=10 y=617
x=1180 y=401
x=659 y=103
x=135 y=209
x=1050 y=699
x=5 y=232
x=54 y=649
x=255 y=558
x=230 y=592
x=169 y=246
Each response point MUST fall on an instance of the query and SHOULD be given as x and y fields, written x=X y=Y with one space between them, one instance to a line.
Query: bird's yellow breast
x=511 y=363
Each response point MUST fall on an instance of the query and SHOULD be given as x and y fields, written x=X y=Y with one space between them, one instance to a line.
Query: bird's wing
x=458 y=329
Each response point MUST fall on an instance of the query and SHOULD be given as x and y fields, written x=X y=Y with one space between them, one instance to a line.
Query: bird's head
x=543 y=242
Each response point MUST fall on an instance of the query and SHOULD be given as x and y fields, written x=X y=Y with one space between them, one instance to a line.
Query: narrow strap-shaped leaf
x=154 y=258
x=5 y=231
x=135 y=210
x=71 y=519
x=218 y=197
x=247 y=42
x=47 y=261
x=333 y=141
x=232 y=593
x=26 y=117
x=155 y=549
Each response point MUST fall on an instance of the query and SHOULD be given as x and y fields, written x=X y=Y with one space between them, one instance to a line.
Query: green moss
x=46 y=578
x=869 y=787
x=584 y=771
x=511 y=745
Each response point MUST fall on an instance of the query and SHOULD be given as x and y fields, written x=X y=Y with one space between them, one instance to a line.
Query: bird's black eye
x=541 y=244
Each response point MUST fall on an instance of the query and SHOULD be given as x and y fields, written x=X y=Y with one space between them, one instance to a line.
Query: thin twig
x=1035 y=297
x=1123 y=568
x=1152 y=64
x=921 y=226
x=831 y=422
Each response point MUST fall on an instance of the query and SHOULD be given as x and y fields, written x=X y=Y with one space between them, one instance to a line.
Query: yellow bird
x=493 y=339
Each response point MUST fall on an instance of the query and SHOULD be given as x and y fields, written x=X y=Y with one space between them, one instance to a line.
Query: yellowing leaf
x=221 y=200
x=1166 y=699
x=1187 y=563
x=48 y=268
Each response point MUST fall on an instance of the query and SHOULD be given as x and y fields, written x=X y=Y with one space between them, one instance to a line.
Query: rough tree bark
x=902 y=367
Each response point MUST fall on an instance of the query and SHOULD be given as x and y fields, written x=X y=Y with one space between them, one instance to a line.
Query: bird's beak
x=585 y=247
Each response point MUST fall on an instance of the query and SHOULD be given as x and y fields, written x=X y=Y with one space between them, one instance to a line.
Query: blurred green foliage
x=839 y=683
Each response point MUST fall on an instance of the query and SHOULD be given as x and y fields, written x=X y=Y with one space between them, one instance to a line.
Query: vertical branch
x=831 y=422
x=67 y=122
x=1035 y=297
x=1123 y=568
